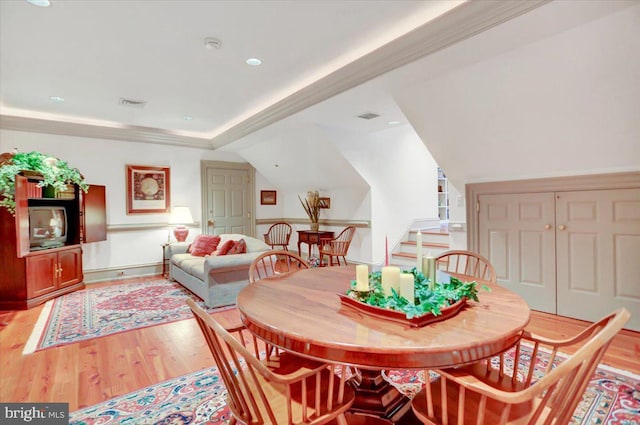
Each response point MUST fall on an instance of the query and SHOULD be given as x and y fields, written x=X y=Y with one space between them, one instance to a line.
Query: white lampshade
x=180 y=215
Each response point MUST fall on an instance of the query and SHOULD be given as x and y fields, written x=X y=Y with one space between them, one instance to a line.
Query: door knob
x=547 y=226
x=210 y=222
x=562 y=227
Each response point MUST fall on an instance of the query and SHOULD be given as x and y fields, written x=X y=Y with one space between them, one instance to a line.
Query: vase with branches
x=311 y=205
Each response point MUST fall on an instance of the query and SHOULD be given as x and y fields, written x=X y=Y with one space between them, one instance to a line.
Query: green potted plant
x=54 y=173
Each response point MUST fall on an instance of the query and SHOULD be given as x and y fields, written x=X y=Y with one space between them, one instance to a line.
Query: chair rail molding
x=326 y=222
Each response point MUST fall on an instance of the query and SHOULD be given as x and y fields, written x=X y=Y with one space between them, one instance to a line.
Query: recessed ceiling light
x=187 y=118
x=56 y=98
x=40 y=3
x=393 y=122
x=254 y=62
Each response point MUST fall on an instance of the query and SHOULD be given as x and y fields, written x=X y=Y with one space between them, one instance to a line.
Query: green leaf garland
x=426 y=300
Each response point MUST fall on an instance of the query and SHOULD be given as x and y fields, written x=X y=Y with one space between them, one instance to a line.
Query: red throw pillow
x=204 y=245
x=239 y=247
x=225 y=247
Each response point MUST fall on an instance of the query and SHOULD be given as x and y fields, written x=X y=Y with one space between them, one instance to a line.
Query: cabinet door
x=42 y=272
x=94 y=214
x=516 y=234
x=598 y=253
x=69 y=267
x=22 y=217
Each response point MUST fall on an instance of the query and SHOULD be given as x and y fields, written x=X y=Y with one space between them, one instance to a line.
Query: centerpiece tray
x=399 y=316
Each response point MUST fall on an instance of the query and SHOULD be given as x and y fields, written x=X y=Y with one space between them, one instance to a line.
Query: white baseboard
x=124 y=272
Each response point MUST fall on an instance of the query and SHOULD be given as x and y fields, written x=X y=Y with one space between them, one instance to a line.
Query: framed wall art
x=267 y=197
x=148 y=189
x=325 y=202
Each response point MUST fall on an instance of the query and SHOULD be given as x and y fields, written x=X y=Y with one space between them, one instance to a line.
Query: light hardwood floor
x=86 y=373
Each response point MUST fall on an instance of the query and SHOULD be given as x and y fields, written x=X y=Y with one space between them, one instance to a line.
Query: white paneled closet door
x=598 y=253
x=516 y=233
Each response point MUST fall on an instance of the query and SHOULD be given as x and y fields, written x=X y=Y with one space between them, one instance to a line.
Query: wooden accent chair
x=485 y=393
x=278 y=235
x=272 y=264
x=338 y=246
x=281 y=389
x=467 y=263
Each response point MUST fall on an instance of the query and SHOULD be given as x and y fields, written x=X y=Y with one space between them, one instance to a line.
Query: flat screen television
x=47 y=227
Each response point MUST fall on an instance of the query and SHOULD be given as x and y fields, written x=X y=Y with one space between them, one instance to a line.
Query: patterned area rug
x=97 y=312
x=612 y=398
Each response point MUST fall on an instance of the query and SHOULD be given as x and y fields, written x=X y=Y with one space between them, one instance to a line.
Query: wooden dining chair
x=280 y=389
x=267 y=265
x=467 y=263
x=278 y=235
x=275 y=263
x=337 y=247
x=488 y=393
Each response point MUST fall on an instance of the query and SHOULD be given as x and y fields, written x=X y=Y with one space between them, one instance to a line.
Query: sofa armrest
x=177 y=248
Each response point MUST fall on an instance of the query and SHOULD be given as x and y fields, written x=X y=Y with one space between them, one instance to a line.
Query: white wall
x=403 y=179
x=103 y=162
x=293 y=159
x=567 y=104
x=267 y=211
x=457 y=218
x=388 y=178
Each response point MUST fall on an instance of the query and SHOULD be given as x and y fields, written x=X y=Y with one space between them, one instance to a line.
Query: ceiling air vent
x=368 y=116
x=132 y=103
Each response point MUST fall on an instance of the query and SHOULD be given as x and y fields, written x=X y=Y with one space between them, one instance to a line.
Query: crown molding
x=127 y=133
x=460 y=23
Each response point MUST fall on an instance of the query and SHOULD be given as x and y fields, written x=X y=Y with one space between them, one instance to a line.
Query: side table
x=311 y=237
x=165 y=261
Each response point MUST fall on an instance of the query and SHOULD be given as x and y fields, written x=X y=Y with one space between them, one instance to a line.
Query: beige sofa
x=215 y=279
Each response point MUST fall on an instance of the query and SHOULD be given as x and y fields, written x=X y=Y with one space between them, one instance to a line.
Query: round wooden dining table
x=302 y=313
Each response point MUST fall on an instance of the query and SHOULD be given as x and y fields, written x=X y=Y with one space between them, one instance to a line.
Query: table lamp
x=180 y=216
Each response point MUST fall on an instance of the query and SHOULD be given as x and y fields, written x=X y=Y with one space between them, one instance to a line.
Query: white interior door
x=228 y=195
x=516 y=234
x=598 y=253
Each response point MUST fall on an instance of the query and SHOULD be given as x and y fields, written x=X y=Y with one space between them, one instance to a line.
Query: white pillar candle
x=406 y=287
x=362 y=278
x=419 y=251
x=432 y=272
x=390 y=279
x=425 y=266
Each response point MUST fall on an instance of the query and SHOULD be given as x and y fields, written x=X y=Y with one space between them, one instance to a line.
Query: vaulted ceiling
x=66 y=67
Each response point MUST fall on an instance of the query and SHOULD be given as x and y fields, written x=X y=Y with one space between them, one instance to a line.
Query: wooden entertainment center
x=31 y=275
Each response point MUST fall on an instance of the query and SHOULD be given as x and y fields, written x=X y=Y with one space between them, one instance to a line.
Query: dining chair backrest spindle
x=284 y=389
x=467 y=263
x=541 y=388
x=275 y=263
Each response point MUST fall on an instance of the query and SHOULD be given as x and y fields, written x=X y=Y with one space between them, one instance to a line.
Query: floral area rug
x=97 y=312
x=612 y=398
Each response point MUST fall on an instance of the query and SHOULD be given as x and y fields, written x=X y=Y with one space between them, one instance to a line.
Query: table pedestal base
x=376 y=397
